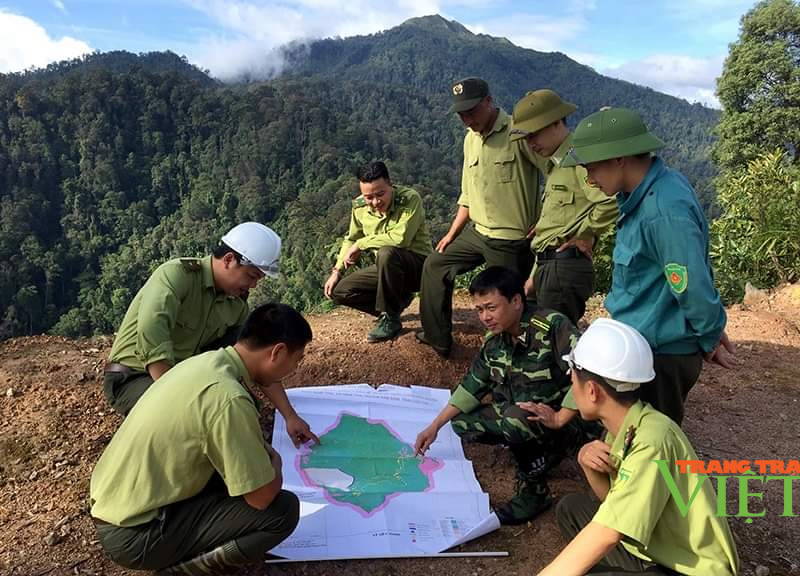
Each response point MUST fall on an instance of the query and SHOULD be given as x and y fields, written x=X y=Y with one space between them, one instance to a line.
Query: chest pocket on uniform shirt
x=504 y=168
x=561 y=199
x=624 y=269
x=187 y=327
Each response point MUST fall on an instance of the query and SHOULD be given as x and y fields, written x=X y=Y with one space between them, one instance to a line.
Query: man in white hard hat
x=637 y=527
x=187 y=306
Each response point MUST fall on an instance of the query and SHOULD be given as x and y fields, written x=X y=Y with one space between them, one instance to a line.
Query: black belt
x=552 y=254
x=119 y=368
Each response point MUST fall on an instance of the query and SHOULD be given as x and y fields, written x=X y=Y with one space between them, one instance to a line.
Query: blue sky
x=677 y=47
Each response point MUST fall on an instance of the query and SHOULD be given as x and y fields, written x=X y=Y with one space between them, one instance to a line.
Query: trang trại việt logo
x=744 y=472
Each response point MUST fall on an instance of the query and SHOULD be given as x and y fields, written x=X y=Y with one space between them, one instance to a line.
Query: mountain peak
x=436 y=23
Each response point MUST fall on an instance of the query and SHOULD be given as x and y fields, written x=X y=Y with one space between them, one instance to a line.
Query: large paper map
x=363 y=464
x=362 y=490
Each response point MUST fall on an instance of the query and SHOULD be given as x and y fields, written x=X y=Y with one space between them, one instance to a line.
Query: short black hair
x=222 y=249
x=273 y=323
x=372 y=171
x=504 y=280
x=628 y=398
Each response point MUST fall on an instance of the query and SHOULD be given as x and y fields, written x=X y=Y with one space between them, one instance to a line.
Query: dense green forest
x=112 y=163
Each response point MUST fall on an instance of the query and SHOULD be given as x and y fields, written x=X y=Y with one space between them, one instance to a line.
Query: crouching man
x=635 y=526
x=188 y=484
x=520 y=361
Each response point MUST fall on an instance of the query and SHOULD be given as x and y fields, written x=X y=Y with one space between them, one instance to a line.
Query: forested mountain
x=113 y=163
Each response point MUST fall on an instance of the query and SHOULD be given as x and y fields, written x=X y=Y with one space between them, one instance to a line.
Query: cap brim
x=542 y=121
x=582 y=155
x=465 y=105
x=517 y=135
x=271 y=272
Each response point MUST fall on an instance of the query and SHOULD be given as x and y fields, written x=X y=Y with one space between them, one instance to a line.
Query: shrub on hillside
x=757 y=237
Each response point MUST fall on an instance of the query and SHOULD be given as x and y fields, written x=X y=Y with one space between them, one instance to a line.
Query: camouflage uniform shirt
x=523 y=368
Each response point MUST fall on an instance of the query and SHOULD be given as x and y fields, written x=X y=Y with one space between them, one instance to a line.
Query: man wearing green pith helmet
x=574 y=213
x=662 y=282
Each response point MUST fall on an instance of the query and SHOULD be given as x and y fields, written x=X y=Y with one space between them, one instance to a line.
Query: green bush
x=757 y=238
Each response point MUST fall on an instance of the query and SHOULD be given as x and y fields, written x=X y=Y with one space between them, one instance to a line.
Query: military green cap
x=467 y=93
x=538 y=110
x=610 y=133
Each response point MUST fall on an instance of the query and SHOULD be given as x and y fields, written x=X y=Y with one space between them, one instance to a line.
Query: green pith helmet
x=610 y=133
x=468 y=93
x=537 y=110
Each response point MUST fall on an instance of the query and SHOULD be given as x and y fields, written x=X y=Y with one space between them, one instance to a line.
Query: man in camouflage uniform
x=389 y=220
x=187 y=306
x=520 y=361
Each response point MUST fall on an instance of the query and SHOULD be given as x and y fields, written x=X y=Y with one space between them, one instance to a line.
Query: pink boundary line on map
x=428 y=466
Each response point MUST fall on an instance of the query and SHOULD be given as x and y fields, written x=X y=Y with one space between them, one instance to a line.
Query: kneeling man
x=520 y=361
x=637 y=527
x=390 y=221
x=188 y=484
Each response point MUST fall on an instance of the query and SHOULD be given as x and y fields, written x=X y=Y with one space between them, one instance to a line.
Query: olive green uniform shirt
x=499 y=183
x=198 y=418
x=639 y=504
x=175 y=315
x=402 y=226
x=572 y=208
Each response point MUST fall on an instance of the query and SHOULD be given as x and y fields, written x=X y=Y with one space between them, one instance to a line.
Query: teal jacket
x=662 y=283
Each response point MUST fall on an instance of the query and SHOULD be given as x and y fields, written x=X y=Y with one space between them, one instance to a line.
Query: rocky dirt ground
x=54 y=424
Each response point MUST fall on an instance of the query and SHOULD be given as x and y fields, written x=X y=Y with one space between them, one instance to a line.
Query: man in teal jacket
x=662 y=282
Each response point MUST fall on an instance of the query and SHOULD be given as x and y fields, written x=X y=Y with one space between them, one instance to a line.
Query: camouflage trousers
x=508 y=424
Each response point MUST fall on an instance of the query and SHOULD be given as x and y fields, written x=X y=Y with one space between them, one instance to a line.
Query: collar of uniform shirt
x=500 y=123
x=561 y=152
x=628 y=202
x=524 y=327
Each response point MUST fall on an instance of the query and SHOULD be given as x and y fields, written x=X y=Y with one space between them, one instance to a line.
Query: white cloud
x=536 y=31
x=253 y=28
x=691 y=78
x=24 y=43
x=60 y=6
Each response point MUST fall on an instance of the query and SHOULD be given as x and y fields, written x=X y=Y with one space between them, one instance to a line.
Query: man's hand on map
x=425 y=439
x=299 y=431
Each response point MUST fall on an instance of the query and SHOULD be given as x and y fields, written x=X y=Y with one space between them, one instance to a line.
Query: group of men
x=189 y=486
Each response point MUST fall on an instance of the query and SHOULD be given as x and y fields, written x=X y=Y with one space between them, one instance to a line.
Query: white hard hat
x=258 y=245
x=616 y=352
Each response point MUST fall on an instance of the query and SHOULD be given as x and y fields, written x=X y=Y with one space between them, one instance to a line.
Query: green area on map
x=380 y=464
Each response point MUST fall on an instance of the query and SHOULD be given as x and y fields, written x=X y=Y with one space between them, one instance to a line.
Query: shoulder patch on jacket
x=359 y=202
x=677 y=276
x=192 y=264
x=540 y=322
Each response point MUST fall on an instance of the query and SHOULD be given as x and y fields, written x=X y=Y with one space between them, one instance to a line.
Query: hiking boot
x=442 y=351
x=531 y=499
x=225 y=559
x=387 y=327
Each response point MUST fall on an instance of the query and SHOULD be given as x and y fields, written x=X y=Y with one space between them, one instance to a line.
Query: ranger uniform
x=175 y=315
x=187 y=306
x=662 y=282
x=169 y=485
x=500 y=188
x=401 y=241
x=653 y=517
x=572 y=209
